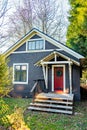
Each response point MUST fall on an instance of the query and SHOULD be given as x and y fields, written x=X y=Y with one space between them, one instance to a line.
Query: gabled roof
x=52 y=55
x=46 y=37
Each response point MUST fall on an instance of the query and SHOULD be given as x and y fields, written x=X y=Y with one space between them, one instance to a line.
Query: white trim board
x=57 y=62
x=58 y=54
x=58 y=44
x=53 y=66
x=33 y=51
x=15 y=82
x=45 y=37
x=34 y=40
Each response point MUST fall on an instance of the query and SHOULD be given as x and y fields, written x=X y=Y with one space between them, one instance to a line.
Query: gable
x=23 y=47
x=35 y=37
x=59 y=57
x=33 y=34
x=48 y=46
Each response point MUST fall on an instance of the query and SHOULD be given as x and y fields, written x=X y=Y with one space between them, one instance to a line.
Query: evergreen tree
x=77 y=30
x=5 y=77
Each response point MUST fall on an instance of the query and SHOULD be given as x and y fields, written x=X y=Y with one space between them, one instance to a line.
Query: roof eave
x=39 y=63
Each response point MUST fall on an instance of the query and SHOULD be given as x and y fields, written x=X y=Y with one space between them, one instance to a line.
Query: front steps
x=52 y=102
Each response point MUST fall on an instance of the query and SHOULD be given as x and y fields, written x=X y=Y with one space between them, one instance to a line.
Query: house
x=38 y=57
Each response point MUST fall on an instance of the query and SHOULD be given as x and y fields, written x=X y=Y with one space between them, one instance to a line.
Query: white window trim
x=53 y=66
x=35 y=40
x=15 y=82
x=47 y=50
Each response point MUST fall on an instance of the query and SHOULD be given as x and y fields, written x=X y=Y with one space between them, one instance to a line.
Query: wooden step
x=53 y=101
x=51 y=106
x=50 y=110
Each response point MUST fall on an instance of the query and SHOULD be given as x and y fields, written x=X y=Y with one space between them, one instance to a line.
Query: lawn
x=49 y=121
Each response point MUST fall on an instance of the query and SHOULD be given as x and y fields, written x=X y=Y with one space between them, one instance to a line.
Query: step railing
x=36 y=89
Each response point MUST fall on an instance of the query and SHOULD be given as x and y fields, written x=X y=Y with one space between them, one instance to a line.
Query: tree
x=77 y=30
x=3 y=10
x=5 y=77
x=46 y=15
x=21 y=21
x=50 y=18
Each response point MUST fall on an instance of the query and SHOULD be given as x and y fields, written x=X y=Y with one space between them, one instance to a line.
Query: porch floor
x=56 y=96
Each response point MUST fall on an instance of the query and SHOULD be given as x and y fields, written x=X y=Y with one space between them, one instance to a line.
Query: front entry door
x=58 y=79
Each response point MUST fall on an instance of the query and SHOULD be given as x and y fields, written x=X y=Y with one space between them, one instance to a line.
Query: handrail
x=34 y=87
x=36 y=90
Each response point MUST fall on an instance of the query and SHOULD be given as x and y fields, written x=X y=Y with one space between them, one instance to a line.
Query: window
x=35 y=44
x=20 y=73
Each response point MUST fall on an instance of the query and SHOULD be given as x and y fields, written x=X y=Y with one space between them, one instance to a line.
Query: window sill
x=20 y=82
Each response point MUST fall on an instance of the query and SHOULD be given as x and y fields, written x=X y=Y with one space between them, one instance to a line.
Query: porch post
x=44 y=73
x=70 y=77
x=46 y=76
x=55 y=56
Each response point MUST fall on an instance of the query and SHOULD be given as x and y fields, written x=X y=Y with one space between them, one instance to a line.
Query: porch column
x=45 y=73
x=55 y=56
x=46 y=76
x=70 y=77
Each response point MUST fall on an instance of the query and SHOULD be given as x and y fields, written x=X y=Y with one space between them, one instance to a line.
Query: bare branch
x=3 y=10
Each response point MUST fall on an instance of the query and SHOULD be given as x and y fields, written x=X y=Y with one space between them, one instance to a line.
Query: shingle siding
x=35 y=37
x=48 y=45
x=67 y=77
x=22 y=48
x=76 y=81
x=68 y=55
x=36 y=72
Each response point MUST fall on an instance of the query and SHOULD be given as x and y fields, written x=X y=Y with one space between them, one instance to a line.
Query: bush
x=5 y=77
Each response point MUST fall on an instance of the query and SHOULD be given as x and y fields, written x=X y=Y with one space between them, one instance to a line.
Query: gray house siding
x=68 y=55
x=50 y=78
x=48 y=45
x=22 y=48
x=76 y=81
x=35 y=36
x=36 y=72
x=67 y=77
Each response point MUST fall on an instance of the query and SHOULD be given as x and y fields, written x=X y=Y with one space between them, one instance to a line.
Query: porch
x=51 y=101
x=57 y=72
x=57 y=95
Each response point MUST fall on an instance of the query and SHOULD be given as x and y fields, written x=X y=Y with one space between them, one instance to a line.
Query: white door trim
x=53 y=66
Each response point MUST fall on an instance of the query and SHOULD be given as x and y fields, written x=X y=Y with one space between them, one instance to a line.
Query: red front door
x=58 y=79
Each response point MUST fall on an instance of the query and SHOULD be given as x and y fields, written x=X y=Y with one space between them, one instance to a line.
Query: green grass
x=50 y=121
x=16 y=102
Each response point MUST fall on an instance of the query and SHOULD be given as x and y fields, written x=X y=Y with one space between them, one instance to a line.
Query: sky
x=11 y=8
